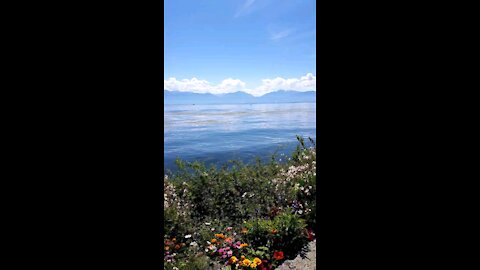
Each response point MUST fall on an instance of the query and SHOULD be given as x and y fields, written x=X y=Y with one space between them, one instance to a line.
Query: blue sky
x=257 y=46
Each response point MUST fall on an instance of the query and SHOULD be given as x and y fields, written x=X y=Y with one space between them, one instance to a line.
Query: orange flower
x=274 y=231
x=167 y=247
x=219 y=235
x=244 y=230
x=278 y=255
x=177 y=247
x=213 y=240
x=174 y=239
x=243 y=245
x=246 y=262
x=229 y=240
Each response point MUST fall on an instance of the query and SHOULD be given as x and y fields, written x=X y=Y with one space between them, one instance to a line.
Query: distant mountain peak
x=280 y=96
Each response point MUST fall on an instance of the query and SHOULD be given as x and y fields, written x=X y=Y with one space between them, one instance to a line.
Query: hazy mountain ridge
x=281 y=96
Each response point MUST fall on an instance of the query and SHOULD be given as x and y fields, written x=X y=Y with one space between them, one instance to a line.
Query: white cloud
x=202 y=86
x=281 y=34
x=305 y=83
x=302 y=84
x=245 y=8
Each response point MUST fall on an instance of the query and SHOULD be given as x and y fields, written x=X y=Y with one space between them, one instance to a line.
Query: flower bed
x=246 y=216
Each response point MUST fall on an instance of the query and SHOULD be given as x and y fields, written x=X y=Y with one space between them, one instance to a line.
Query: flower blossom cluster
x=175 y=198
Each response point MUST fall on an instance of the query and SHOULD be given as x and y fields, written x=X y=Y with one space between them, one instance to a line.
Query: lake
x=216 y=133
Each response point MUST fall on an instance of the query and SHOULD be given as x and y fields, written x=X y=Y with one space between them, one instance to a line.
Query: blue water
x=215 y=134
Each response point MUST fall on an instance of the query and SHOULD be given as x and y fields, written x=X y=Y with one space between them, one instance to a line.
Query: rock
x=309 y=263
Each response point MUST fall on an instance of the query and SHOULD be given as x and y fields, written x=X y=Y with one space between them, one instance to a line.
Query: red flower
x=278 y=255
x=310 y=235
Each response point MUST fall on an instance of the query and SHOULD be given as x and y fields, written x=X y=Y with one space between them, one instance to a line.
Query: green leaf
x=260 y=253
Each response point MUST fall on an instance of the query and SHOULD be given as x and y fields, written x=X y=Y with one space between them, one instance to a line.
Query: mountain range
x=281 y=96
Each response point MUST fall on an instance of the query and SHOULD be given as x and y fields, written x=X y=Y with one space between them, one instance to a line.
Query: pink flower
x=230 y=253
x=229 y=228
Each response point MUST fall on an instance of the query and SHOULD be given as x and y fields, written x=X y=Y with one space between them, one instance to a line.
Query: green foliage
x=286 y=232
x=192 y=262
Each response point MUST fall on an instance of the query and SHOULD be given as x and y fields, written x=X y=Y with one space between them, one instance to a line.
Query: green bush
x=285 y=233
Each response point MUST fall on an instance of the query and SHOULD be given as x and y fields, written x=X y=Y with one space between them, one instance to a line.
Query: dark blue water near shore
x=218 y=133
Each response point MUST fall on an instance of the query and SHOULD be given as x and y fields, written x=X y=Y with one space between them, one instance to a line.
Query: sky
x=224 y=46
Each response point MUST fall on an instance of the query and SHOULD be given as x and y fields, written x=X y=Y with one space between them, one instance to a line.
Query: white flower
x=297 y=185
x=193 y=244
x=207 y=223
x=208 y=242
x=252 y=195
x=206 y=250
x=175 y=268
x=243 y=196
x=300 y=212
x=213 y=229
x=188 y=236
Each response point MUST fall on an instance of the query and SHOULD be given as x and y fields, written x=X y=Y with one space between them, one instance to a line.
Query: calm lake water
x=218 y=133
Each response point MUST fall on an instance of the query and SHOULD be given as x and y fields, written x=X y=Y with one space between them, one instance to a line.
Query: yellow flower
x=246 y=262
x=242 y=257
x=233 y=259
x=257 y=261
x=253 y=265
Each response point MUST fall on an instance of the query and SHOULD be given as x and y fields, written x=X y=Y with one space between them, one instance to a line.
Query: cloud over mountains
x=302 y=84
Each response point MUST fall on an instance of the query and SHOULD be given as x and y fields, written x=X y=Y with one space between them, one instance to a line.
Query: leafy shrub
x=285 y=233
